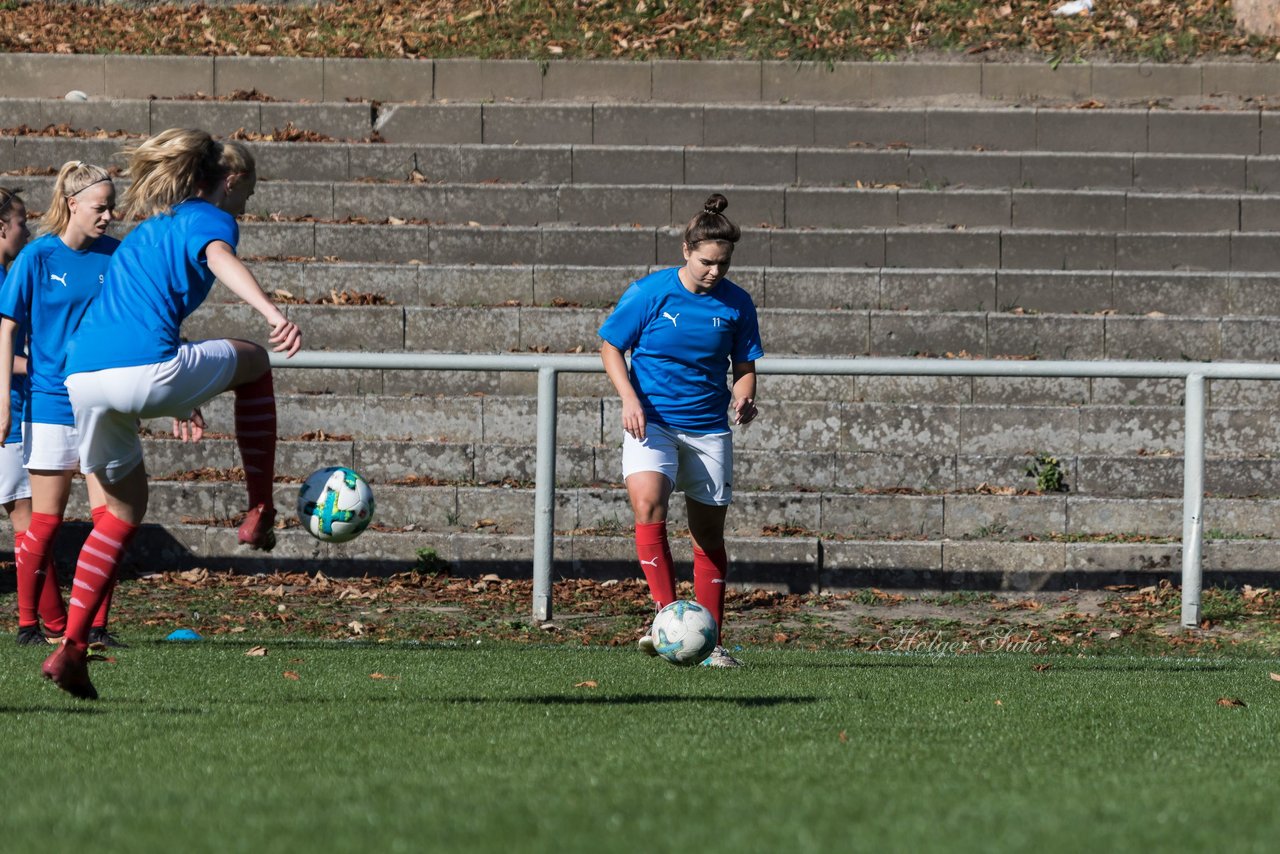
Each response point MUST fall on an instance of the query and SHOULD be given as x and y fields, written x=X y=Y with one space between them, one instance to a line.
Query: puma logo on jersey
x=653 y=563
x=62 y=279
x=669 y=317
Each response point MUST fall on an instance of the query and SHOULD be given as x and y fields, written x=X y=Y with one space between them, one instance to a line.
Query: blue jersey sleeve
x=16 y=287
x=746 y=345
x=211 y=225
x=622 y=328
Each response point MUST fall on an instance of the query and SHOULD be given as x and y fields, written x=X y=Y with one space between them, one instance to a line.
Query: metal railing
x=549 y=367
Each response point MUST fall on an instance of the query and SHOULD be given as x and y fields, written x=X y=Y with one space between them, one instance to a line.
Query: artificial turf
x=484 y=747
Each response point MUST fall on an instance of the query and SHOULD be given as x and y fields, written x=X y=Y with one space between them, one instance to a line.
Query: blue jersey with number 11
x=682 y=345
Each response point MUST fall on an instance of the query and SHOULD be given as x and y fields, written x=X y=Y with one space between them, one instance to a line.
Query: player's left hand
x=745 y=410
x=189 y=429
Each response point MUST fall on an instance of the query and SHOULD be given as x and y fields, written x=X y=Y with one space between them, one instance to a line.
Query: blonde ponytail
x=170 y=168
x=74 y=178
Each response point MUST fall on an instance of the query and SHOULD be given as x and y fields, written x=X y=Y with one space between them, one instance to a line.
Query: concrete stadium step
x=665 y=205
x=806 y=332
x=798 y=563
x=940 y=247
x=815 y=430
x=894 y=289
x=596 y=511
x=810 y=166
x=340 y=79
x=1246 y=131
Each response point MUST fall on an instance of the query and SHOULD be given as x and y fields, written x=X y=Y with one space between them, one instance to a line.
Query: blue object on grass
x=183 y=635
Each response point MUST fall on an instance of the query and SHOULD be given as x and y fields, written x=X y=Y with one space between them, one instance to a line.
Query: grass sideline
x=808 y=30
x=494 y=747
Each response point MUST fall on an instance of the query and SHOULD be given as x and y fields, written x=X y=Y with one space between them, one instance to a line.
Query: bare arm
x=232 y=272
x=744 y=392
x=615 y=366
x=8 y=332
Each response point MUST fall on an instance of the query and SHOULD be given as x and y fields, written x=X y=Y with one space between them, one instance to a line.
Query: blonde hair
x=74 y=178
x=169 y=168
x=237 y=159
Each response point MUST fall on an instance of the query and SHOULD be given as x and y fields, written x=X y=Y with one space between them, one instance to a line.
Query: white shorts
x=700 y=465
x=14 y=483
x=50 y=447
x=108 y=403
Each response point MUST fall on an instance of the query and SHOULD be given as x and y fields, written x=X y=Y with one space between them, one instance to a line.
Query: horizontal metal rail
x=548 y=367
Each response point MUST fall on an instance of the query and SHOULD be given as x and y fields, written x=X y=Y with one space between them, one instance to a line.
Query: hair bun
x=715 y=204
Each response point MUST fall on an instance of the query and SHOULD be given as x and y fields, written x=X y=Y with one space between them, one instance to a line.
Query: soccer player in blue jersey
x=15 y=486
x=46 y=293
x=126 y=361
x=686 y=328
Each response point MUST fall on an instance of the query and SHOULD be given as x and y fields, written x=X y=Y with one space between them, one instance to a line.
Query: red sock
x=25 y=617
x=709 y=570
x=95 y=571
x=37 y=544
x=104 y=610
x=654 y=553
x=256 y=436
x=53 y=611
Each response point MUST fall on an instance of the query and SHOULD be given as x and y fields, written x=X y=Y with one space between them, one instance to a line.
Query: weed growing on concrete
x=1048 y=473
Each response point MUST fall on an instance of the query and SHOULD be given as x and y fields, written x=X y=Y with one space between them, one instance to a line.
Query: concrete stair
x=1020 y=229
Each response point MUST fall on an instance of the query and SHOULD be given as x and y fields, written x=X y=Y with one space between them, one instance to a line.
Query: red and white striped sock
x=37 y=543
x=255 y=416
x=104 y=610
x=709 y=571
x=53 y=611
x=654 y=552
x=95 y=572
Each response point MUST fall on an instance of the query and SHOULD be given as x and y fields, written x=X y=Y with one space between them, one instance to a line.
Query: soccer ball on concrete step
x=335 y=504
x=684 y=633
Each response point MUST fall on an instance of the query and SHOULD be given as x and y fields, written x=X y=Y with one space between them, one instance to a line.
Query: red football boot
x=257 y=531
x=68 y=667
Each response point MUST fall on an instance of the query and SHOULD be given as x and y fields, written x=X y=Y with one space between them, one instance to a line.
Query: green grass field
x=483 y=747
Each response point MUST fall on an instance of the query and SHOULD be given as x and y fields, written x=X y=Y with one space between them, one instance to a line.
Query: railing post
x=1192 y=500
x=544 y=507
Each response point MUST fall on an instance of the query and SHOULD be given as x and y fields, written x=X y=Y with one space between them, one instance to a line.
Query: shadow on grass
x=645 y=699
x=51 y=710
x=547 y=700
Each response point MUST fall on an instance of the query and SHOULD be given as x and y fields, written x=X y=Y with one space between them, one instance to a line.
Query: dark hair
x=711 y=224
x=8 y=196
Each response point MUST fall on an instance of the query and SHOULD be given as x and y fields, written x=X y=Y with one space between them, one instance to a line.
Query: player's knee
x=252 y=361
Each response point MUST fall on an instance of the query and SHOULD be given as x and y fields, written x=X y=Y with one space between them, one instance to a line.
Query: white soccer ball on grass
x=684 y=633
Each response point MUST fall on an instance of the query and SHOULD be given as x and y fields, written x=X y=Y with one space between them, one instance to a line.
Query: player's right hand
x=287 y=337
x=633 y=419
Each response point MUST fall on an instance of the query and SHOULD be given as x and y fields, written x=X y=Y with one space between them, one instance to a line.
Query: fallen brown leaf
x=257 y=651
x=590 y=683
x=1230 y=702
x=291 y=674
